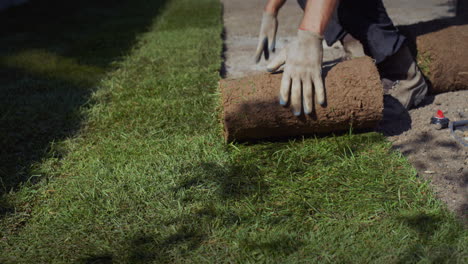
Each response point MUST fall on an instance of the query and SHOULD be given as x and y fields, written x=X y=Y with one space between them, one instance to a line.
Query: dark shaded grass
x=53 y=54
x=149 y=179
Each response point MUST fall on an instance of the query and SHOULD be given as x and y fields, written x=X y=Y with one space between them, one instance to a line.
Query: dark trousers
x=368 y=22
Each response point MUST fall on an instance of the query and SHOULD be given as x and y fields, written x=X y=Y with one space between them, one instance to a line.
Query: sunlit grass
x=52 y=66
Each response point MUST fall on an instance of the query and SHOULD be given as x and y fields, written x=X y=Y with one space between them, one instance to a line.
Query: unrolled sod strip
x=251 y=109
x=443 y=58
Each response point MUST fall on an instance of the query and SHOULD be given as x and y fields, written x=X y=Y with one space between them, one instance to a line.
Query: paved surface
x=242 y=21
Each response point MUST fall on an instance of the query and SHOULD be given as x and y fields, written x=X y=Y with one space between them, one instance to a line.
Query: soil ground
x=435 y=154
x=437 y=157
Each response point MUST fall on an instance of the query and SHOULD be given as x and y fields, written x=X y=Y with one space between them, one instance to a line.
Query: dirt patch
x=443 y=58
x=434 y=153
x=252 y=111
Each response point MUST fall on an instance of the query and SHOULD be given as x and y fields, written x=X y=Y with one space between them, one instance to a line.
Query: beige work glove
x=303 y=65
x=267 y=36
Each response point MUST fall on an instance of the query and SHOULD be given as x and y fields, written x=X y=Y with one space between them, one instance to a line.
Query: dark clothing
x=368 y=22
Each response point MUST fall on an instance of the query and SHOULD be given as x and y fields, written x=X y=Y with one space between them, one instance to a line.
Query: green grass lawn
x=113 y=154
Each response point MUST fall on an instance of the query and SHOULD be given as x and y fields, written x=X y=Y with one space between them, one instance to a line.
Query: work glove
x=267 y=36
x=303 y=65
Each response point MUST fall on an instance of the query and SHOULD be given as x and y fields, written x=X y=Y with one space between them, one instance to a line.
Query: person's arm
x=273 y=6
x=303 y=59
x=268 y=28
x=317 y=14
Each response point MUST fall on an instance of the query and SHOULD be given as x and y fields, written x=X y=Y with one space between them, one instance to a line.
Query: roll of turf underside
x=251 y=109
x=443 y=58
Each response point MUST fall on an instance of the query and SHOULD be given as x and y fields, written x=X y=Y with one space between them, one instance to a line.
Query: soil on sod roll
x=443 y=58
x=354 y=98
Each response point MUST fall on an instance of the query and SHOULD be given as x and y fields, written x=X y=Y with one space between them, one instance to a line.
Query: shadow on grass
x=150 y=248
x=234 y=181
x=426 y=226
x=53 y=55
x=244 y=176
x=104 y=259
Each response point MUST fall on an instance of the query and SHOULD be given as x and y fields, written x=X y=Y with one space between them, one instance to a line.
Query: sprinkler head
x=439 y=120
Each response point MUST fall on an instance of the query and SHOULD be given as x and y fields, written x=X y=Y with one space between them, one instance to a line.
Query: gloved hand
x=303 y=58
x=267 y=36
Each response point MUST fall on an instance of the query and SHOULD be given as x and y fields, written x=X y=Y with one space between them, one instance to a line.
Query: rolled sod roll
x=251 y=108
x=443 y=58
